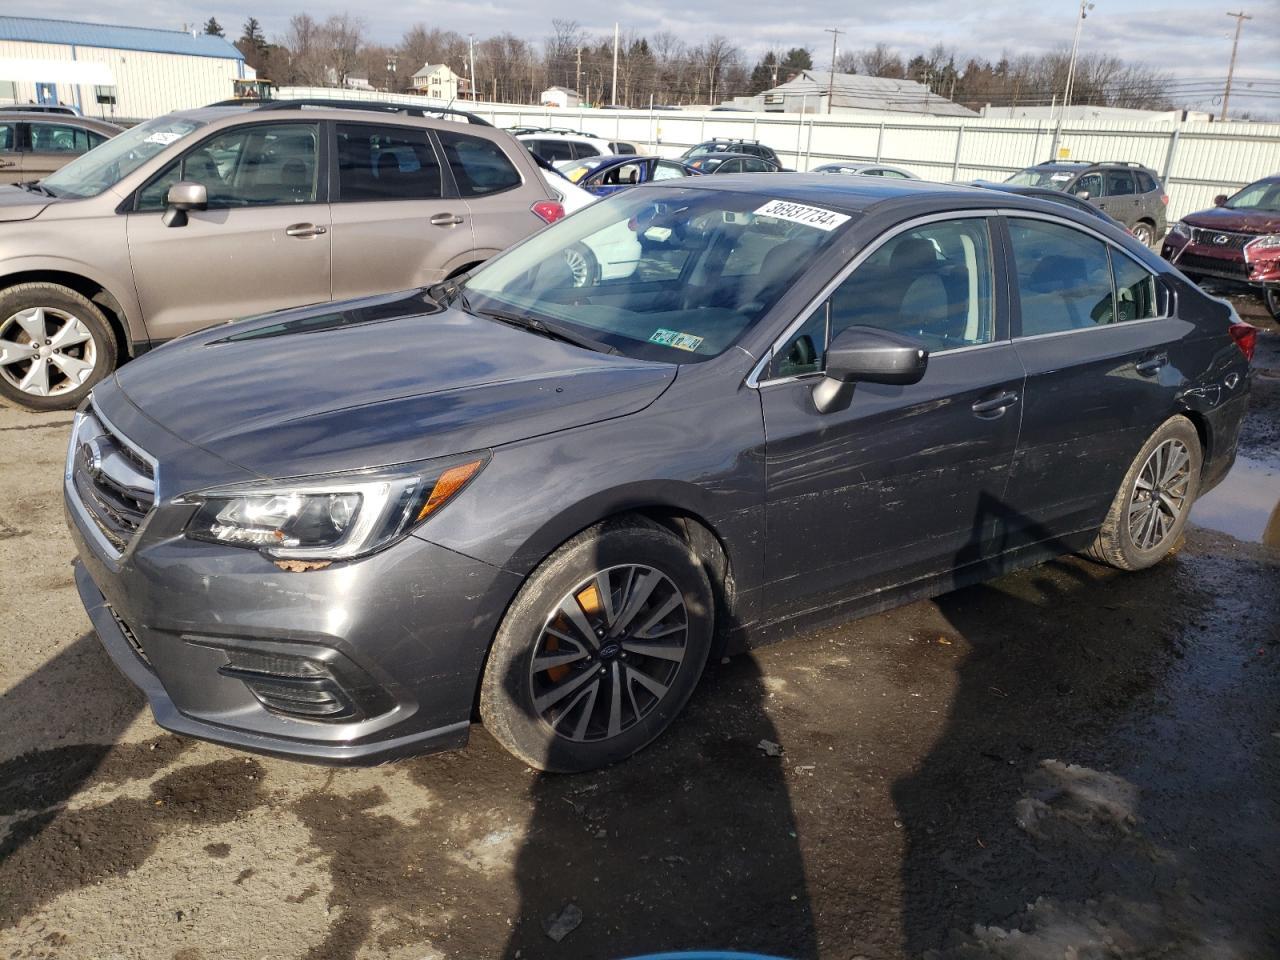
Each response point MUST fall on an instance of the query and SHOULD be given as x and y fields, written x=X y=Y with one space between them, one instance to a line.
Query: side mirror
x=1220 y=200
x=1082 y=194
x=184 y=196
x=867 y=355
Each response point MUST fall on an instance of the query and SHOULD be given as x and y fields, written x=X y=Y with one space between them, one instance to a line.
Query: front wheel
x=1150 y=510
x=54 y=346
x=600 y=650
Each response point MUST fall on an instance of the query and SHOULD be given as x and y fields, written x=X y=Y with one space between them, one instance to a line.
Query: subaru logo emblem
x=91 y=458
x=1221 y=239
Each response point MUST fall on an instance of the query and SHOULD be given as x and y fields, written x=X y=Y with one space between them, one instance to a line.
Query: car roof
x=726 y=155
x=1079 y=166
x=66 y=119
x=547 y=135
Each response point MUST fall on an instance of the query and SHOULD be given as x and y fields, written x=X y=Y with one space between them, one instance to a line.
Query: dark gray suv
x=1126 y=191
x=548 y=495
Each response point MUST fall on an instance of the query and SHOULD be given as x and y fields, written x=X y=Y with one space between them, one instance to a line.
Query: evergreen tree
x=213 y=28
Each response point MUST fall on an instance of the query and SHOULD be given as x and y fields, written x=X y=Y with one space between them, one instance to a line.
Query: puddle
x=1246 y=504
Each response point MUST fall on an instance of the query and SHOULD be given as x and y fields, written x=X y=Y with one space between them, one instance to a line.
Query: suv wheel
x=1144 y=233
x=54 y=346
x=600 y=650
x=1271 y=296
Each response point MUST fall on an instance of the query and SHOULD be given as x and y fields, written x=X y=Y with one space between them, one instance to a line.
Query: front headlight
x=331 y=517
x=1180 y=229
x=1268 y=241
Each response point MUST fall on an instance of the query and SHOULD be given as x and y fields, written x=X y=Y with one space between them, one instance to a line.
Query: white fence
x=1196 y=161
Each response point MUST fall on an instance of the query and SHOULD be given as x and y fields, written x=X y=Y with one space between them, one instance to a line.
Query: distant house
x=810 y=90
x=561 y=97
x=436 y=80
x=357 y=81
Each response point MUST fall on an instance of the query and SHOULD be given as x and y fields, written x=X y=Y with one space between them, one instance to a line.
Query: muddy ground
x=1068 y=759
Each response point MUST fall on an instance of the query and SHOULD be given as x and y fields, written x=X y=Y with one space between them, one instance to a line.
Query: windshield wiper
x=35 y=186
x=552 y=330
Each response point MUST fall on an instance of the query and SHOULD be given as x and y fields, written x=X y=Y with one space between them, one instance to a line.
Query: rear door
x=1122 y=196
x=1101 y=373
x=908 y=480
x=498 y=194
x=10 y=151
x=263 y=243
x=395 y=226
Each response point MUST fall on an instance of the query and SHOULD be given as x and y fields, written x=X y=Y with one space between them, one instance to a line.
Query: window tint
x=1063 y=277
x=252 y=166
x=58 y=138
x=1090 y=183
x=479 y=166
x=553 y=151
x=8 y=137
x=581 y=150
x=933 y=283
x=1135 y=289
x=385 y=163
x=754 y=165
x=1146 y=182
x=1119 y=183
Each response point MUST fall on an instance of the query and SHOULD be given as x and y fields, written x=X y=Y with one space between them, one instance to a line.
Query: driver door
x=907 y=481
x=263 y=244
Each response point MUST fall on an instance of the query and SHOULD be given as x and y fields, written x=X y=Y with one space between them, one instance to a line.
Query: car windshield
x=705 y=148
x=576 y=170
x=108 y=163
x=1263 y=195
x=672 y=274
x=1042 y=177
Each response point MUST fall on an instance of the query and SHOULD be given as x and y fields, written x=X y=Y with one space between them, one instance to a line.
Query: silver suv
x=208 y=215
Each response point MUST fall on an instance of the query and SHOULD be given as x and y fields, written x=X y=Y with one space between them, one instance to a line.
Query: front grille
x=1215 y=266
x=113 y=480
x=1209 y=238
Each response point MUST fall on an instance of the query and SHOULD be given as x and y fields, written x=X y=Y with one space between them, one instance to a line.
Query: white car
x=557 y=145
x=571 y=196
x=866 y=170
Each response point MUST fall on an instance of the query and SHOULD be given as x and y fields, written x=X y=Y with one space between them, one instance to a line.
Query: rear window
x=1146 y=182
x=479 y=166
x=385 y=163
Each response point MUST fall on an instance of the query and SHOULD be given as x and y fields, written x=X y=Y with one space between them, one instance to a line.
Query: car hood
x=373 y=382
x=1238 y=221
x=19 y=204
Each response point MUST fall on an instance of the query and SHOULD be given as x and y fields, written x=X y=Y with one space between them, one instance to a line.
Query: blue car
x=610 y=173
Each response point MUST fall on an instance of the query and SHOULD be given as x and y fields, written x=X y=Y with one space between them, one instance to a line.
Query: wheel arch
x=93 y=290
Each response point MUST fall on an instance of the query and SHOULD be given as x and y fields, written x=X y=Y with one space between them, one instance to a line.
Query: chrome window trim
x=753 y=378
x=950 y=352
x=1124 y=324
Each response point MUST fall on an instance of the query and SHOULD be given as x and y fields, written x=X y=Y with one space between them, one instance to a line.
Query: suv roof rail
x=563 y=131
x=1122 y=163
x=377 y=106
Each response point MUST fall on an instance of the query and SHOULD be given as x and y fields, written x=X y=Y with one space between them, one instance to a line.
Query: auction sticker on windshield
x=673 y=338
x=801 y=213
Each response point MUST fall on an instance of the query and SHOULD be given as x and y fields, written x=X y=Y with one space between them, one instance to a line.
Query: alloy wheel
x=46 y=352
x=579 y=266
x=1143 y=234
x=1159 y=494
x=609 y=652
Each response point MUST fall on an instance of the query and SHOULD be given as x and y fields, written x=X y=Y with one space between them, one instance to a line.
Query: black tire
x=1118 y=543
x=1271 y=297
x=1144 y=233
x=509 y=693
x=61 y=303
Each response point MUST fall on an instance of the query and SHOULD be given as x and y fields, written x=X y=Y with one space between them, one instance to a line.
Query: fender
x=135 y=329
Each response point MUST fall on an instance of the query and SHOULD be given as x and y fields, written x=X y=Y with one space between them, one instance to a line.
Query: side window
x=8 y=137
x=933 y=282
x=754 y=165
x=250 y=166
x=385 y=163
x=1146 y=182
x=1090 y=183
x=1063 y=278
x=894 y=174
x=730 y=166
x=57 y=138
x=1135 y=289
x=479 y=166
x=553 y=151
x=95 y=138
x=581 y=150
x=621 y=175
x=666 y=170
x=1119 y=183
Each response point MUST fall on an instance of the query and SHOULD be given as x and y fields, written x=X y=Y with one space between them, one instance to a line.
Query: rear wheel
x=600 y=650
x=1148 y=515
x=1144 y=233
x=54 y=346
x=1271 y=297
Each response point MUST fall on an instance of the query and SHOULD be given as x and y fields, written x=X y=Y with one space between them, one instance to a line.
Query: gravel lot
x=1066 y=757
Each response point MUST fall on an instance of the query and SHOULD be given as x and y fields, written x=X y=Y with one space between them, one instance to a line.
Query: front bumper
x=413 y=624
x=1220 y=263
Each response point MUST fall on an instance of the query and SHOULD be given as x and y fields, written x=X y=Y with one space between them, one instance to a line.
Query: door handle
x=445 y=220
x=1149 y=367
x=305 y=230
x=996 y=405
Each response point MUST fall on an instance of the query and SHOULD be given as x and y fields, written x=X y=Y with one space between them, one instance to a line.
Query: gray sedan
x=867 y=170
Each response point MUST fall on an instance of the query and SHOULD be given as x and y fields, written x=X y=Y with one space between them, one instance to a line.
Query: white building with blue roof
x=146 y=72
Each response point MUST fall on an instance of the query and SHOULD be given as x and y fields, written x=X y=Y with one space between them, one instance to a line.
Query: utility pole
x=1085 y=7
x=577 y=77
x=471 y=42
x=831 y=77
x=614 y=100
x=1241 y=17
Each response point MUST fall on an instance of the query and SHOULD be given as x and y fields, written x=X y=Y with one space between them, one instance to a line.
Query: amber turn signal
x=450 y=482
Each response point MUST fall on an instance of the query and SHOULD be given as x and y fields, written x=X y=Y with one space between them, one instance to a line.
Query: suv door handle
x=996 y=405
x=305 y=230
x=445 y=220
x=1149 y=367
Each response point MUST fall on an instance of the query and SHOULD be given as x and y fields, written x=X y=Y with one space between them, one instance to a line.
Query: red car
x=1237 y=241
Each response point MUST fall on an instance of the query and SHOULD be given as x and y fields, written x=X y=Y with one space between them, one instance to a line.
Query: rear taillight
x=1164 y=198
x=548 y=210
x=1246 y=337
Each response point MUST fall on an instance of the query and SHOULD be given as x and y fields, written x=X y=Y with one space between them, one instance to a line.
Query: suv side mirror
x=1220 y=200
x=1082 y=194
x=184 y=196
x=866 y=354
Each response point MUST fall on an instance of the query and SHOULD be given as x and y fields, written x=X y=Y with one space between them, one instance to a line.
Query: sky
x=1190 y=39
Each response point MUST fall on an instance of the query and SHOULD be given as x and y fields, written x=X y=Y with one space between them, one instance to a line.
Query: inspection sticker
x=800 y=213
x=672 y=338
x=164 y=138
